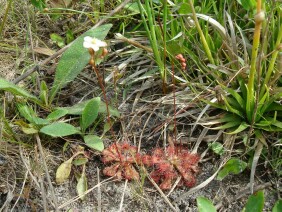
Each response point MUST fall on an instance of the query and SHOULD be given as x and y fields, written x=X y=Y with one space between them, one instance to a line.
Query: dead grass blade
x=258 y=151
x=122 y=197
x=202 y=185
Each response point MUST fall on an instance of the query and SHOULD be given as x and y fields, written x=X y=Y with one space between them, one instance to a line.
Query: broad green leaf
x=94 y=141
x=59 y=129
x=278 y=206
x=60 y=41
x=81 y=186
x=241 y=128
x=77 y=109
x=247 y=4
x=28 y=113
x=90 y=113
x=63 y=172
x=217 y=148
x=255 y=202
x=16 y=90
x=55 y=115
x=205 y=205
x=107 y=127
x=75 y=58
x=80 y=161
x=39 y=4
x=234 y=166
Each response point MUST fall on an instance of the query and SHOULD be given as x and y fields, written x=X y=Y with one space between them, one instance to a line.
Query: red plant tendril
x=168 y=165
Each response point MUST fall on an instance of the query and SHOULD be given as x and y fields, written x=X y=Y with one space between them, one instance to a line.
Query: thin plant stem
x=202 y=36
x=272 y=61
x=255 y=49
x=5 y=17
x=151 y=31
x=174 y=103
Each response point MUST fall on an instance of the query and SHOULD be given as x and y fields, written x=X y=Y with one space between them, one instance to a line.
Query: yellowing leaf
x=81 y=186
x=63 y=172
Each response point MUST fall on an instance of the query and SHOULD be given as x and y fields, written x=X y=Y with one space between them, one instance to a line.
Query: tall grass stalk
x=150 y=27
x=273 y=60
x=202 y=36
x=259 y=18
x=5 y=17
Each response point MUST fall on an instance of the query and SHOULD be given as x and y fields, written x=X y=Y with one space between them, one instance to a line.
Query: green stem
x=272 y=61
x=151 y=33
x=256 y=43
x=202 y=36
x=5 y=17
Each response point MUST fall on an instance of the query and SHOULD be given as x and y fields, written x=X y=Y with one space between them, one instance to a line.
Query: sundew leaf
x=59 y=129
x=90 y=113
x=255 y=202
x=16 y=90
x=75 y=58
x=94 y=141
x=234 y=166
x=205 y=205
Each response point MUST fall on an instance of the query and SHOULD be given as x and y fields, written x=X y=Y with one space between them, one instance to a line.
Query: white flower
x=93 y=43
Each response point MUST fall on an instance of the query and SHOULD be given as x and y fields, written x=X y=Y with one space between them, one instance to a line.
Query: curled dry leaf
x=63 y=171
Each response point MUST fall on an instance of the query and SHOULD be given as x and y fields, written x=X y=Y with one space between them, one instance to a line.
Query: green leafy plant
x=255 y=203
x=251 y=99
x=205 y=205
x=234 y=166
x=74 y=59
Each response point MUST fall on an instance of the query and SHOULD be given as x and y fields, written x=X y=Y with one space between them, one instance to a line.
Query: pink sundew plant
x=168 y=165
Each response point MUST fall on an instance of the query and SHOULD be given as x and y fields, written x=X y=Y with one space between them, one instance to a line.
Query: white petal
x=95 y=48
x=87 y=45
x=101 y=43
x=88 y=39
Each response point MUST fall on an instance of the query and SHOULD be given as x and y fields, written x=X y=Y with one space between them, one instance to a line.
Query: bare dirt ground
x=144 y=109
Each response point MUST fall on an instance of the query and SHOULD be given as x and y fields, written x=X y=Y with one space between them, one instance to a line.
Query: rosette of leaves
x=172 y=163
x=122 y=158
